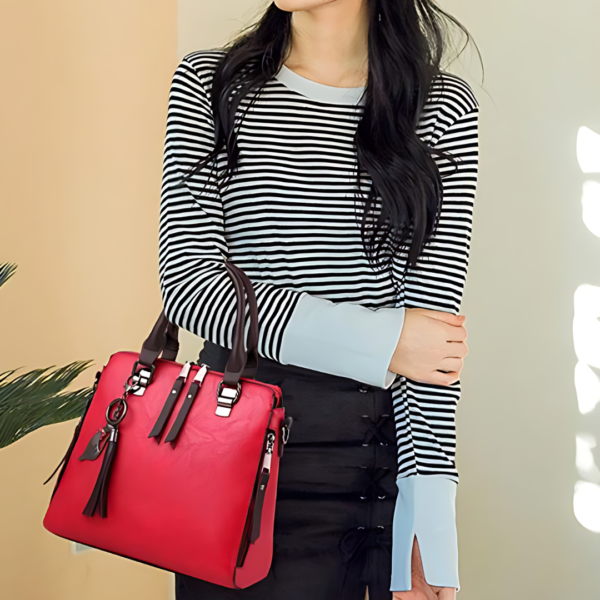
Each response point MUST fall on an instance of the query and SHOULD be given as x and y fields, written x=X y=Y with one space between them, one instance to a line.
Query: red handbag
x=180 y=470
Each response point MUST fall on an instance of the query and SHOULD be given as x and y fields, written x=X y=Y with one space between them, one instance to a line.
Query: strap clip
x=140 y=380
x=226 y=398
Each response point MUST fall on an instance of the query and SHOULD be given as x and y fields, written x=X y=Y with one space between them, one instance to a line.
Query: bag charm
x=96 y=445
x=115 y=413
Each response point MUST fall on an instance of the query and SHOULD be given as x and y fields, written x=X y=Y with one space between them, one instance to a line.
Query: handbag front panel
x=181 y=508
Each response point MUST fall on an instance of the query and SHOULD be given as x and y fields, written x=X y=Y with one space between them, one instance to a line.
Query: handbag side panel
x=260 y=554
x=180 y=508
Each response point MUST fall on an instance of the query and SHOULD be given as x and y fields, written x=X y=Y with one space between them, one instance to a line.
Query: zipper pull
x=262 y=487
x=266 y=466
x=187 y=405
x=170 y=402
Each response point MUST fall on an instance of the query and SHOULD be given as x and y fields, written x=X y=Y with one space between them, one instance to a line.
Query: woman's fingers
x=454 y=333
x=431 y=347
x=421 y=590
x=418 y=592
x=453 y=350
x=439 y=378
x=451 y=364
x=446 y=593
x=443 y=316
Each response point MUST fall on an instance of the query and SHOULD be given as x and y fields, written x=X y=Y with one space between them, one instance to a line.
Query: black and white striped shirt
x=288 y=220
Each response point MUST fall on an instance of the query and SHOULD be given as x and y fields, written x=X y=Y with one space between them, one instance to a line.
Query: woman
x=344 y=189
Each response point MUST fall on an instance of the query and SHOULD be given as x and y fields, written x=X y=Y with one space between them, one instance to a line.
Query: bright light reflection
x=584 y=459
x=586 y=505
x=591 y=206
x=588 y=150
x=586 y=339
x=586 y=327
x=587 y=386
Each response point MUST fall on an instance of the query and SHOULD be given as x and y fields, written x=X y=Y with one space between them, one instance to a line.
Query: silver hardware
x=132 y=389
x=285 y=433
x=140 y=379
x=266 y=466
x=201 y=374
x=226 y=398
x=185 y=369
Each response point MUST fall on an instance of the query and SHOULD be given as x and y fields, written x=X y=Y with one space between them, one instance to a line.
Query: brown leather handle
x=242 y=363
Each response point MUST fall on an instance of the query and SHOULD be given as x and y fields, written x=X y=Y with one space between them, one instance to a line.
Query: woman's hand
x=431 y=341
x=421 y=590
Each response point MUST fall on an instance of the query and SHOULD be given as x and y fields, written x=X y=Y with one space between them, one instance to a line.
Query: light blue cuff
x=345 y=339
x=425 y=508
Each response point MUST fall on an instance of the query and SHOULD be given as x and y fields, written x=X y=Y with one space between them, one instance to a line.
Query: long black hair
x=408 y=38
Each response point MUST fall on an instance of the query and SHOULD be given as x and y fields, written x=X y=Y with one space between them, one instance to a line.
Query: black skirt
x=336 y=492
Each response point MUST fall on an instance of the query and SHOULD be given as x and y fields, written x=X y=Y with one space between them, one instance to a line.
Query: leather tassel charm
x=99 y=497
x=96 y=445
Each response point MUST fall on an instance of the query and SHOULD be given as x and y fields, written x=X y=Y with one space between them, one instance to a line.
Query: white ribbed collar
x=319 y=91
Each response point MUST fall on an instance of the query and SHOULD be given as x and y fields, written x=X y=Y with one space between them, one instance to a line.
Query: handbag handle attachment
x=242 y=362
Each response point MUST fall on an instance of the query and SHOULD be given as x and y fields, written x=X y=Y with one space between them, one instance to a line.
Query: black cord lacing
x=375 y=433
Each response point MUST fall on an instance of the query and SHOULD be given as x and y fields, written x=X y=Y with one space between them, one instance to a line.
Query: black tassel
x=99 y=497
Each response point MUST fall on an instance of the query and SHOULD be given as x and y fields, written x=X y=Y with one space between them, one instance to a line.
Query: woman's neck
x=329 y=43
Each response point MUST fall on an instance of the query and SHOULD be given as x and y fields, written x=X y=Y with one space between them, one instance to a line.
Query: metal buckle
x=140 y=379
x=226 y=398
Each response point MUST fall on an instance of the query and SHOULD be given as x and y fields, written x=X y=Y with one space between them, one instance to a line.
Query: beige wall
x=80 y=188
x=518 y=417
x=82 y=110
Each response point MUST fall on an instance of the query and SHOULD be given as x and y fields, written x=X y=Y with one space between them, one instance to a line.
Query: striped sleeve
x=425 y=413
x=197 y=292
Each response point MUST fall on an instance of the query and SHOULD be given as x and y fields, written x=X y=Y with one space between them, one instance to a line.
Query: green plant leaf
x=37 y=398
x=7 y=270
